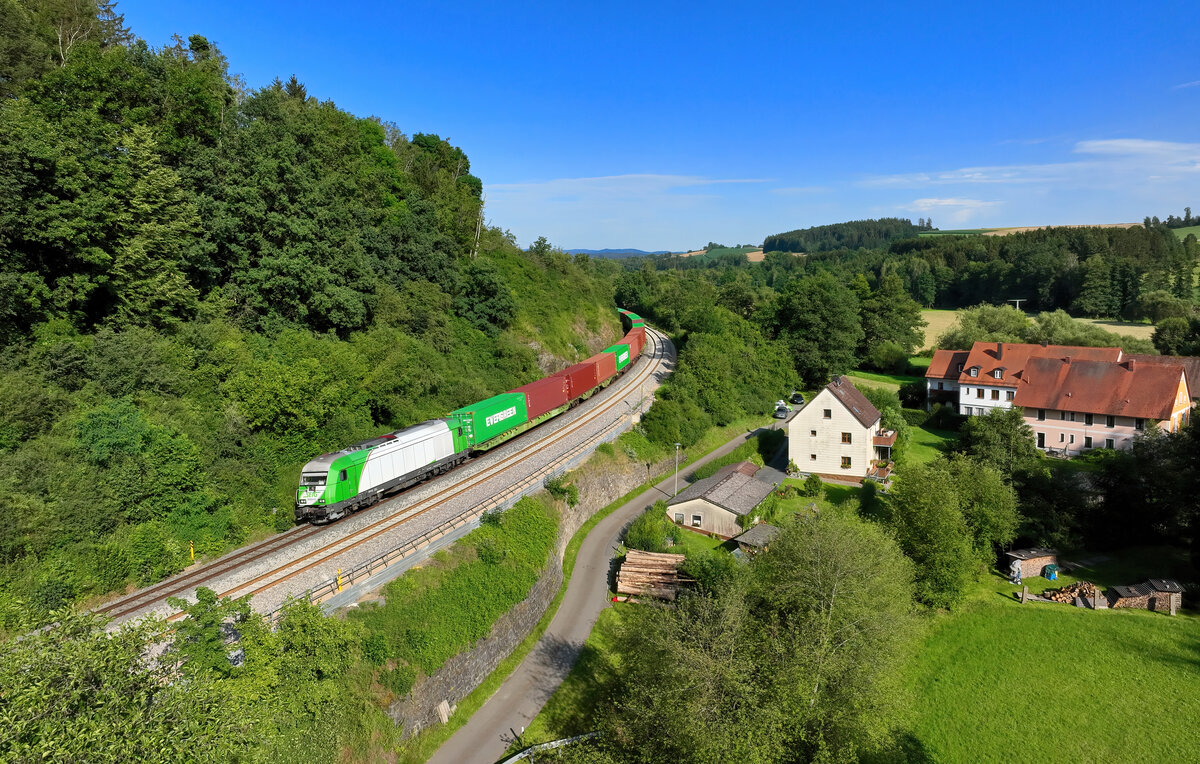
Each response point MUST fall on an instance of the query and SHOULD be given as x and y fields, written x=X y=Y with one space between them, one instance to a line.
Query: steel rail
x=146 y=598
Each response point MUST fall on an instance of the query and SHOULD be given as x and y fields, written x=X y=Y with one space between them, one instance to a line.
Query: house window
x=812 y=433
x=941 y=386
x=974 y=371
x=1041 y=415
x=845 y=437
x=679 y=517
x=995 y=395
x=1062 y=415
x=1071 y=416
x=1087 y=441
x=1041 y=440
x=1108 y=442
x=960 y=368
x=979 y=392
x=1072 y=437
x=845 y=462
x=1139 y=424
x=1008 y=395
x=828 y=413
x=812 y=457
x=1087 y=419
x=997 y=374
x=696 y=520
x=1110 y=421
x=1061 y=437
x=342 y=475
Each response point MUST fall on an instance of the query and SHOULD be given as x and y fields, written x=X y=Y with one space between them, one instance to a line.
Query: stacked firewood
x=651 y=574
x=1085 y=589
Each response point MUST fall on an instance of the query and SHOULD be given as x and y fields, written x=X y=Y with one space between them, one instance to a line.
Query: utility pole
x=677 y=445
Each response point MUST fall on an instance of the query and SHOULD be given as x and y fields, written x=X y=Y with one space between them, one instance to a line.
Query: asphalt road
x=485 y=737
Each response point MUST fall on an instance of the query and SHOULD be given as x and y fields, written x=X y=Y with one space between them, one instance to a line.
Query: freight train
x=334 y=485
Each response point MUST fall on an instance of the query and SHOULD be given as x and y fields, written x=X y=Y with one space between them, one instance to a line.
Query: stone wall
x=598 y=487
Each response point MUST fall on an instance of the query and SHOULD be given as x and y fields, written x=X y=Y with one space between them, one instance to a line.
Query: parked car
x=797 y=397
x=781 y=410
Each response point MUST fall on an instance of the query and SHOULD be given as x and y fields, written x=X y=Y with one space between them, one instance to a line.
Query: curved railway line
x=153 y=596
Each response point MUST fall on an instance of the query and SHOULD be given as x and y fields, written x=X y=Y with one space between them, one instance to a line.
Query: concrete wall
x=713 y=519
x=827 y=443
x=467 y=670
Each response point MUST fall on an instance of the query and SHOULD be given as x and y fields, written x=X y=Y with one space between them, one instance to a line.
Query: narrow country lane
x=521 y=697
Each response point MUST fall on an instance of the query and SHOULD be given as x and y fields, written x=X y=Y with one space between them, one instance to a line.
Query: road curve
x=520 y=698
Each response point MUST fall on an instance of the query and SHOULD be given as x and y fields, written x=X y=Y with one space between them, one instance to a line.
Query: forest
x=203 y=284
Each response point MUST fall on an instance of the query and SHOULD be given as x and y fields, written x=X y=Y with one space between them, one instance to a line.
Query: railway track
x=153 y=596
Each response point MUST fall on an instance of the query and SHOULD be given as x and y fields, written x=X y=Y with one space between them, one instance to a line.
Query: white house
x=837 y=434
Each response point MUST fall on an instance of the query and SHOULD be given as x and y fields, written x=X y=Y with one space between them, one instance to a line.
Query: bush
x=376 y=649
x=913 y=395
x=562 y=491
x=944 y=418
x=887 y=357
x=651 y=530
x=399 y=680
x=812 y=486
x=915 y=417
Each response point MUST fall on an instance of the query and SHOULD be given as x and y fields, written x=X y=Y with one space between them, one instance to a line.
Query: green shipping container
x=621 y=351
x=480 y=422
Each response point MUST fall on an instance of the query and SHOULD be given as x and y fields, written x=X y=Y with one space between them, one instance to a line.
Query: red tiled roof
x=1132 y=389
x=1190 y=364
x=945 y=364
x=1012 y=358
x=854 y=401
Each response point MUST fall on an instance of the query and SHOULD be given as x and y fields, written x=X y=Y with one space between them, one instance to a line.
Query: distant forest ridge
x=616 y=254
x=855 y=234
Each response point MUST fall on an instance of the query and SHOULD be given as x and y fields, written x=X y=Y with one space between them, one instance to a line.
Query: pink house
x=1077 y=405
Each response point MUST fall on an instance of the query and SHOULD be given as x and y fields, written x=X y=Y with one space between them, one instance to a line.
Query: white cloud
x=1182 y=85
x=1185 y=156
x=959 y=210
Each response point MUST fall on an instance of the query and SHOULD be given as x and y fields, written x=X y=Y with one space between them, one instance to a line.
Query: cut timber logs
x=651 y=574
x=1067 y=594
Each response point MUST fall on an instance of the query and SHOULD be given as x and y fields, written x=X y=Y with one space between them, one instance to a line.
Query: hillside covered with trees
x=855 y=234
x=202 y=285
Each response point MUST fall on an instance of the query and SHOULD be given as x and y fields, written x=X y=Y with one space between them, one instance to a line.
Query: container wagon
x=334 y=485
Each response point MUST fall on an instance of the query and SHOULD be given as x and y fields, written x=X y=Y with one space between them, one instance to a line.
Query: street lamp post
x=676 y=469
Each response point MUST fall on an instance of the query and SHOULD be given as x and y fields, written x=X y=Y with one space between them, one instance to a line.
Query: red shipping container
x=580 y=378
x=631 y=341
x=606 y=365
x=544 y=395
x=636 y=339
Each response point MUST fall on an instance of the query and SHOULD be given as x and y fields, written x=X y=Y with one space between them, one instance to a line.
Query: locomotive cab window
x=342 y=475
x=312 y=480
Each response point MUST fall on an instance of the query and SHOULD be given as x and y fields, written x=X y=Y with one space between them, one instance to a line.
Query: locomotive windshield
x=313 y=479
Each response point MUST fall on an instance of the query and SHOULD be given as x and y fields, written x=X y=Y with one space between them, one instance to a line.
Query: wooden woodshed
x=1033 y=560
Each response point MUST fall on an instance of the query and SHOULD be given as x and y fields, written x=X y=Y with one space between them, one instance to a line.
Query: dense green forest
x=855 y=234
x=204 y=285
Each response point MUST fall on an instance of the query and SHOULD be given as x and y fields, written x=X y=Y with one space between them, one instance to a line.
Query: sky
x=663 y=125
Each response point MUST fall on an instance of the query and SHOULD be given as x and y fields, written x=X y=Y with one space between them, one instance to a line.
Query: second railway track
x=153 y=597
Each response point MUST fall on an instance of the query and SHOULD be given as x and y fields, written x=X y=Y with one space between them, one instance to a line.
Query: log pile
x=1067 y=594
x=651 y=574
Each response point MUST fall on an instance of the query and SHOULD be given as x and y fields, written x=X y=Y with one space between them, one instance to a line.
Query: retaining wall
x=464 y=672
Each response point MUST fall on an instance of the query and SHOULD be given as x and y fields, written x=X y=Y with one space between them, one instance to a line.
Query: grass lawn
x=874 y=379
x=1183 y=233
x=925 y=443
x=1134 y=329
x=937 y=322
x=997 y=681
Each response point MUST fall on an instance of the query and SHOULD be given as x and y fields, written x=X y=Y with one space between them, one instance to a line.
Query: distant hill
x=854 y=234
x=616 y=254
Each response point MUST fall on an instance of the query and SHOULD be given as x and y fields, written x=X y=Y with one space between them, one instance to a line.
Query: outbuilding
x=1033 y=561
x=714 y=504
x=757 y=539
x=1159 y=594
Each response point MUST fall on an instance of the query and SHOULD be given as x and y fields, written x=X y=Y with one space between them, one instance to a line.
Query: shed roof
x=759 y=536
x=1164 y=585
x=1032 y=552
x=733 y=487
x=1132 y=389
x=854 y=401
x=1137 y=590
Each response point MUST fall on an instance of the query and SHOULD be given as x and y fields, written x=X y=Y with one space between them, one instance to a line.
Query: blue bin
x=1051 y=572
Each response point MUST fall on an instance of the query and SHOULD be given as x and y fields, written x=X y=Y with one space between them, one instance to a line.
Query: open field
x=888 y=381
x=996 y=680
x=1183 y=233
x=926 y=444
x=1135 y=329
x=1021 y=229
x=937 y=322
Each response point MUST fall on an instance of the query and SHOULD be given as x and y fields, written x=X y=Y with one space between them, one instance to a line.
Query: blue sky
x=668 y=125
